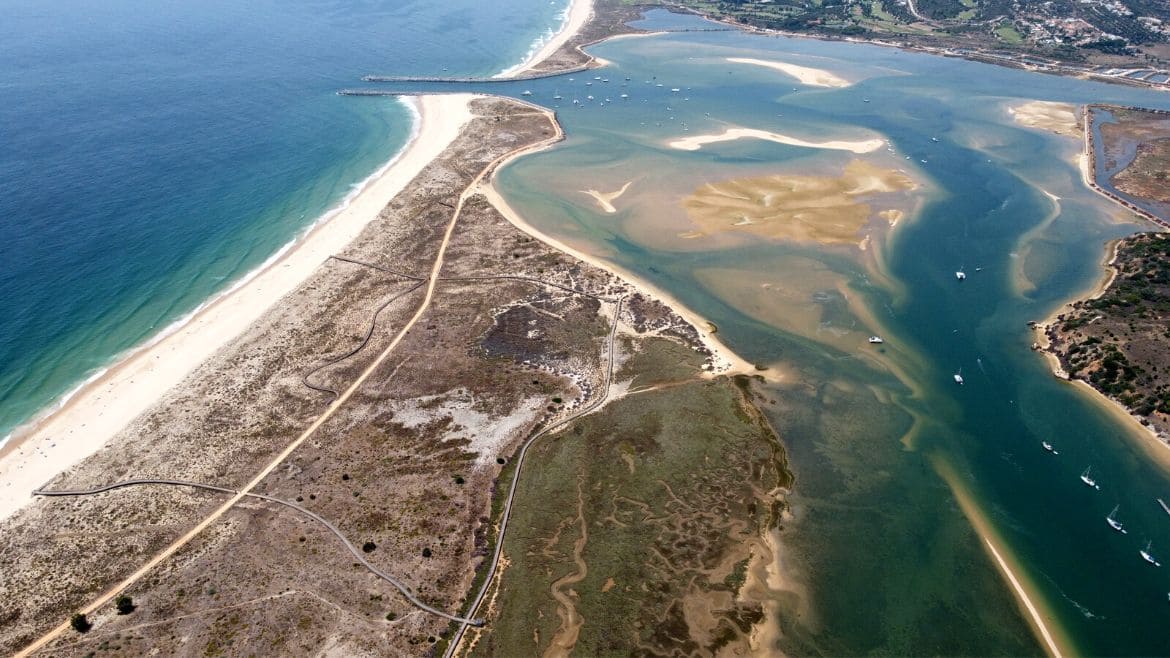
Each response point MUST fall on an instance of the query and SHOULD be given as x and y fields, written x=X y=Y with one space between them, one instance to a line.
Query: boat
x=960 y=275
x=526 y=93
x=556 y=95
x=675 y=90
x=1148 y=556
x=865 y=100
x=1088 y=479
x=588 y=98
x=1048 y=446
x=934 y=139
x=1164 y=507
x=624 y=96
x=959 y=377
x=1113 y=522
x=876 y=340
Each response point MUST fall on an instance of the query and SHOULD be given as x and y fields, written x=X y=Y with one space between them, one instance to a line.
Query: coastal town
x=1122 y=41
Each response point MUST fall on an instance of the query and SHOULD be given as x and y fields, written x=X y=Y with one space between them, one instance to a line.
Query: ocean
x=152 y=154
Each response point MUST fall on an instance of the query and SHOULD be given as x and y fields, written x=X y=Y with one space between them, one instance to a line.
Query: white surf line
x=1044 y=633
x=696 y=142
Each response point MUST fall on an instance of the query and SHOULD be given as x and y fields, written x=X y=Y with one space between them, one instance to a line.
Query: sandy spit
x=726 y=361
x=695 y=142
x=102 y=408
x=805 y=74
x=579 y=14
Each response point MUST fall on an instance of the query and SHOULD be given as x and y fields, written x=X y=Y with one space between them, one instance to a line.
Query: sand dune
x=805 y=74
x=696 y=142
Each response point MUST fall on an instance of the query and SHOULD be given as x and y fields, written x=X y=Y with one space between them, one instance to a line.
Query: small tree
x=80 y=623
x=124 y=604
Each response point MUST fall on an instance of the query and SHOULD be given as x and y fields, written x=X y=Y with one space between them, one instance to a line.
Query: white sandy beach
x=102 y=408
x=695 y=142
x=579 y=13
x=805 y=74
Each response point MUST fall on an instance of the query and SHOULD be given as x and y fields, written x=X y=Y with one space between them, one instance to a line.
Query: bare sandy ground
x=805 y=74
x=695 y=142
x=1060 y=118
x=97 y=412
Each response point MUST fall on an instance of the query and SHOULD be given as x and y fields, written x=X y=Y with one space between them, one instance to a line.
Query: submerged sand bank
x=97 y=412
x=695 y=142
x=805 y=74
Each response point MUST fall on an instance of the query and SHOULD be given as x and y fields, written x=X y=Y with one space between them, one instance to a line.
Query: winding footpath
x=432 y=282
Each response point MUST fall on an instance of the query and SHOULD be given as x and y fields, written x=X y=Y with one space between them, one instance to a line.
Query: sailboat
x=1148 y=556
x=556 y=95
x=960 y=275
x=1088 y=480
x=1113 y=522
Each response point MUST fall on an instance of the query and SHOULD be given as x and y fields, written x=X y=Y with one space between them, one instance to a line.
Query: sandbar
x=695 y=142
x=805 y=74
x=102 y=408
x=1060 y=118
x=802 y=208
x=606 y=199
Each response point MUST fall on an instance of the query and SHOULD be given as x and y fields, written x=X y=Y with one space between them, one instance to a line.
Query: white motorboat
x=959 y=377
x=960 y=275
x=1048 y=446
x=876 y=340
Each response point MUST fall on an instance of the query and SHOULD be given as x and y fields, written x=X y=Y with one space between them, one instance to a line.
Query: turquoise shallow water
x=880 y=556
x=151 y=153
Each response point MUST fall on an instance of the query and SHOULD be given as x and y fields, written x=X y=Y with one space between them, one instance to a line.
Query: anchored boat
x=1113 y=522
x=1148 y=556
x=1088 y=479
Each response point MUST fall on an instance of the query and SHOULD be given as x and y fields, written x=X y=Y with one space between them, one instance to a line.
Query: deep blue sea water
x=152 y=152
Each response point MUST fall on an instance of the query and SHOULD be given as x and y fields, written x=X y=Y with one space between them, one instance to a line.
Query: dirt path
x=432 y=281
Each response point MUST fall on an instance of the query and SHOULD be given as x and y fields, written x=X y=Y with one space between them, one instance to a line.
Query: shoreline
x=95 y=412
x=726 y=361
x=577 y=14
x=84 y=419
